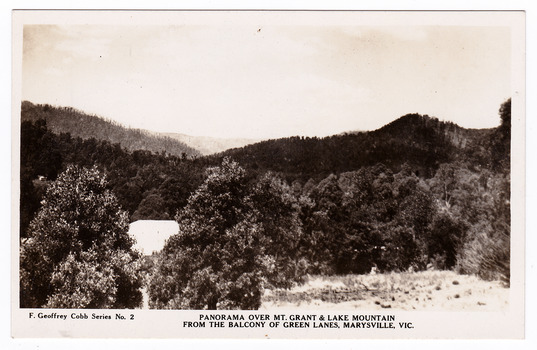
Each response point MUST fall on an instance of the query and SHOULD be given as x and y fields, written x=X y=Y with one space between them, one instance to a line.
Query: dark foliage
x=367 y=218
x=234 y=241
x=78 y=253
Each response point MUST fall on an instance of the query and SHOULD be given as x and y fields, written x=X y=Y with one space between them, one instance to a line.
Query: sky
x=268 y=81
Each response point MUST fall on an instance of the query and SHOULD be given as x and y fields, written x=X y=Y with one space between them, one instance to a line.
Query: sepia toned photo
x=268 y=174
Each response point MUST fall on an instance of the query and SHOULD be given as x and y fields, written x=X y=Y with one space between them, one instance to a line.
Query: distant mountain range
x=420 y=141
x=79 y=124
x=209 y=145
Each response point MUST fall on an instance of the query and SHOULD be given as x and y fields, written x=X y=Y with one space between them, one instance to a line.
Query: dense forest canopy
x=417 y=193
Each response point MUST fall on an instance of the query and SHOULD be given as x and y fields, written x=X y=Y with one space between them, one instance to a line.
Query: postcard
x=268 y=174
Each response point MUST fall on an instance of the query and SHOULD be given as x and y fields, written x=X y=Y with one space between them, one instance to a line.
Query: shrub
x=487 y=257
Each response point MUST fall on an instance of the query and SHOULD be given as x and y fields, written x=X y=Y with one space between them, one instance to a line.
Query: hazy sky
x=232 y=80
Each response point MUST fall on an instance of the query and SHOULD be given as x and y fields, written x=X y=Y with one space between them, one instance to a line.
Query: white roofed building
x=150 y=235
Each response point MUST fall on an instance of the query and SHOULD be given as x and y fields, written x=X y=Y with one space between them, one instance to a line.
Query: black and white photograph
x=306 y=171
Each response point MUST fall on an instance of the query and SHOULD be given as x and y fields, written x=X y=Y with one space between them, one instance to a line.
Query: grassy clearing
x=426 y=290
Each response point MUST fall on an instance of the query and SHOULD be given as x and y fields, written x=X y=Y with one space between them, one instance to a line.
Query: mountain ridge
x=79 y=124
x=420 y=141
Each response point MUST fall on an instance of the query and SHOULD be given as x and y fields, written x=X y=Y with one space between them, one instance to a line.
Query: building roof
x=150 y=235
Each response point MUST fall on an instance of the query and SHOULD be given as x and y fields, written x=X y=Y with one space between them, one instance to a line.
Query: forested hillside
x=416 y=194
x=420 y=142
x=78 y=124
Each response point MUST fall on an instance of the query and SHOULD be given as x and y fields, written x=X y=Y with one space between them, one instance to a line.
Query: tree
x=216 y=261
x=500 y=141
x=78 y=253
x=445 y=239
x=40 y=161
x=276 y=211
x=235 y=239
x=405 y=236
x=486 y=251
x=370 y=207
x=152 y=207
x=321 y=215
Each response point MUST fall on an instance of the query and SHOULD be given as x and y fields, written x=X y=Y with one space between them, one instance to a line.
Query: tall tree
x=276 y=211
x=235 y=240
x=216 y=259
x=78 y=253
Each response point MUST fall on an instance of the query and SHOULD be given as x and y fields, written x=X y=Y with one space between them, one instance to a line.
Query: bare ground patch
x=427 y=290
